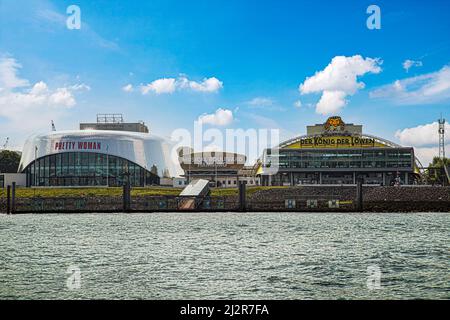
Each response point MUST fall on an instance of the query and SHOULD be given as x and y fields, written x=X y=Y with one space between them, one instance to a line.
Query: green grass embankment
x=112 y=191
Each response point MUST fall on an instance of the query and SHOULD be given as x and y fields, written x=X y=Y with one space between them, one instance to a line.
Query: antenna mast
x=441 y=122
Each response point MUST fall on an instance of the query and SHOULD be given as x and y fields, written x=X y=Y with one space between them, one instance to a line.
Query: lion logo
x=334 y=124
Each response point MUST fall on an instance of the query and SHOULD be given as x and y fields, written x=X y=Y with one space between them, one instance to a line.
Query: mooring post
x=359 y=195
x=8 y=199
x=13 y=197
x=129 y=196
x=126 y=197
x=242 y=196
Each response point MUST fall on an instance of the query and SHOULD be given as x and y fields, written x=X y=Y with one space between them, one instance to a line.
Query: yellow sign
x=335 y=142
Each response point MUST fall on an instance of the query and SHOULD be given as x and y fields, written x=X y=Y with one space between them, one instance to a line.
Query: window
x=83 y=169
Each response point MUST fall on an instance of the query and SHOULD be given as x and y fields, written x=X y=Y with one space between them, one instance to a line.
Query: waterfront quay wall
x=114 y=204
x=300 y=199
x=407 y=199
x=343 y=198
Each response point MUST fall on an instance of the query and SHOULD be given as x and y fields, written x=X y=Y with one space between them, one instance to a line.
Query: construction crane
x=5 y=145
x=53 y=126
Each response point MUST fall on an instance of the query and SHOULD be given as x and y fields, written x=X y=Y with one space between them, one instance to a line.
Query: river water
x=225 y=256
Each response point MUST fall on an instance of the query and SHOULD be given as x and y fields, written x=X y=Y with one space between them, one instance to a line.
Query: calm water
x=225 y=255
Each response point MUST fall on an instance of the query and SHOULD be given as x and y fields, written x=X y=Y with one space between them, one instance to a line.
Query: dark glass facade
x=86 y=169
x=341 y=166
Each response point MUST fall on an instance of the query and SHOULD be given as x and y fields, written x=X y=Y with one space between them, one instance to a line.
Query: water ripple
x=225 y=255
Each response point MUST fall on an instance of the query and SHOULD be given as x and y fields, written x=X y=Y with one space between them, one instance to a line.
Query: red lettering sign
x=72 y=145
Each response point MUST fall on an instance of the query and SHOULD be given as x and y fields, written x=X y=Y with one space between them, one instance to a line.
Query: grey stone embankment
x=375 y=198
x=306 y=198
x=407 y=193
x=407 y=199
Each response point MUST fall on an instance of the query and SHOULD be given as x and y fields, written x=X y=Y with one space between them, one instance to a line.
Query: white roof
x=144 y=149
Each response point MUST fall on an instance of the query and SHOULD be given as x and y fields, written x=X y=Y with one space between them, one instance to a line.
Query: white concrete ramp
x=197 y=188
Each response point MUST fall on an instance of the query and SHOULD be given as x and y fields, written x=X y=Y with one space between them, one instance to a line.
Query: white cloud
x=207 y=85
x=39 y=103
x=128 y=88
x=221 y=117
x=39 y=88
x=62 y=97
x=261 y=102
x=80 y=87
x=428 y=88
x=422 y=135
x=426 y=154
x=169 y=85
x=264 y=103
x=165 y=85
x=407 y=64
x=8 y=74
x=39 y=99
x=339 y=80
x=425 y=140
x=331 y=102
x=298 y=104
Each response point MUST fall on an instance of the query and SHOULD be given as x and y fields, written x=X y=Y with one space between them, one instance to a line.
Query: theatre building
x=337 y=153
x=222 y=169
x=107 y=153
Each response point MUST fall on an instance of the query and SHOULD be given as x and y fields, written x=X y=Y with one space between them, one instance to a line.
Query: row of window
x=87 y=169
x=315 y=159
x=224 y=183
x=378 y=153
x=336 y=178
x=346 y=155
x=345 y=164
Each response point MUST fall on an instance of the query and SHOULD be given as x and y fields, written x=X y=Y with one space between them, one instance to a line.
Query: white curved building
x=96 y=158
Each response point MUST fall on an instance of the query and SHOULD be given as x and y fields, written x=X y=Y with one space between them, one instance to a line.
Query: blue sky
x=255 y=53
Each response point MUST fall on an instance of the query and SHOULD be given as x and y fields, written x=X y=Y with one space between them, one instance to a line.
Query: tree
x=436 y=173
x=9 y=161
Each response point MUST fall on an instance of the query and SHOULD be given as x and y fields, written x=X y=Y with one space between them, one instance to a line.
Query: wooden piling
x=13 y=197
x=242 y=196
x=359 y=195
x=126 y=197
x=8 y=200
